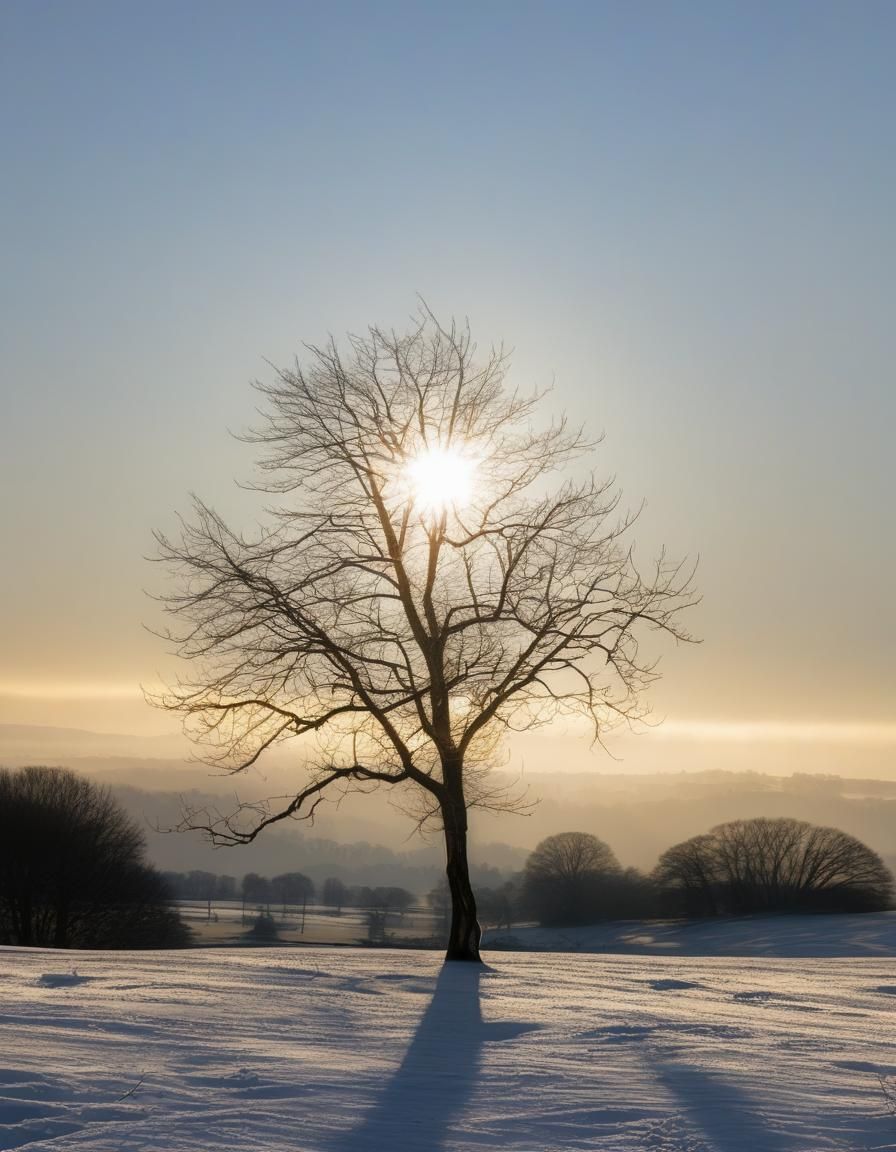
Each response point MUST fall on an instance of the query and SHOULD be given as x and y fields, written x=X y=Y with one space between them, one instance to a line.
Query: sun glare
x=441 y=478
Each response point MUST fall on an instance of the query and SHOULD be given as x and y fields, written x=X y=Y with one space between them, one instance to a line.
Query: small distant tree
x=202 y=886
x=335 y=893
x=562 y=877
x=292 y=888
x=264 y=928
x=775 y=865
x=255 y=889
x=73 y=869
x=376 y=924
x=226 y=889
x=436 y=575
x=394 y=899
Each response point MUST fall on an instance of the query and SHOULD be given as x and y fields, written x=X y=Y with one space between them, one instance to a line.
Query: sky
x=680 y=216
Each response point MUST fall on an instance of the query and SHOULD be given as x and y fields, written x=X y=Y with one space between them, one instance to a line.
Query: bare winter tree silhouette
x=432 y=576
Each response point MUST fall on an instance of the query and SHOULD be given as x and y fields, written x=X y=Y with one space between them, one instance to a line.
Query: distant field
x=873 y=934
x=355 y=1050
x=229 y=923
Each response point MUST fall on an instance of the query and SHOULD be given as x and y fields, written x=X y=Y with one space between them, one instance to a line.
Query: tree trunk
x=463 y=939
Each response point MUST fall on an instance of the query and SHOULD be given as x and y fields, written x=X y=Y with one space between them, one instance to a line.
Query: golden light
x=441 y=478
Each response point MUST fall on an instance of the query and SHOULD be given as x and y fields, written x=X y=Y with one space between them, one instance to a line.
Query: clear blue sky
x=681 y=213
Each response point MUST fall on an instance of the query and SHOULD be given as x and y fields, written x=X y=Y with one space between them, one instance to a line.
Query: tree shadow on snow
x=724 y=1114
x=436 y=1077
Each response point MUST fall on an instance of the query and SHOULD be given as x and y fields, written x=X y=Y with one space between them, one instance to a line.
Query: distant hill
x=638 y=814
x=639 y=817
x=32 y=743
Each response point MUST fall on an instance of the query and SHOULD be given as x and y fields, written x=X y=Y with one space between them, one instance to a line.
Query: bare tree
x=562 y=874
x=750 y=865
x=568 y=855
x=690 y=868
x=334 y=893
x=292 y=888
x=421 y=587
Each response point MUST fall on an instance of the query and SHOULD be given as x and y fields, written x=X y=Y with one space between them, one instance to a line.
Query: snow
x=783 y=936
x=352 y=1050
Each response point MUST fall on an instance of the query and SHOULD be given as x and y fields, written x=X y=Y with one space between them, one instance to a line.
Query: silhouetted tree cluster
x=759 y=865
x=73 y=872
x=574 y=878
x=386 y=898
x=199 y=885
x=765 y=865
x=288 y=889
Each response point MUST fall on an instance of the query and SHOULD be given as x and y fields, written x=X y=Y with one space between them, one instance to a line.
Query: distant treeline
x=286 y=890
x=416 y=866
x=74 y=873
x=744 y=866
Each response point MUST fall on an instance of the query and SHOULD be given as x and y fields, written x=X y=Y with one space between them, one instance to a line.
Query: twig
x=132 y=1090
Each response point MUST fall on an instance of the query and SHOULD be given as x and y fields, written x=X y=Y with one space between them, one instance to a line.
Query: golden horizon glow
x=871 y=731
x=779 y=731
x=71 y=690
x=441 y=478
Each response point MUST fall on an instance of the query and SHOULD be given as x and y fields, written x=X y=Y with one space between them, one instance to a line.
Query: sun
x=441 y=478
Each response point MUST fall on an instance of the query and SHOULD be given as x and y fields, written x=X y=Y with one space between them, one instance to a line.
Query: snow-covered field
x=344 y=1050
x=782 y=936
